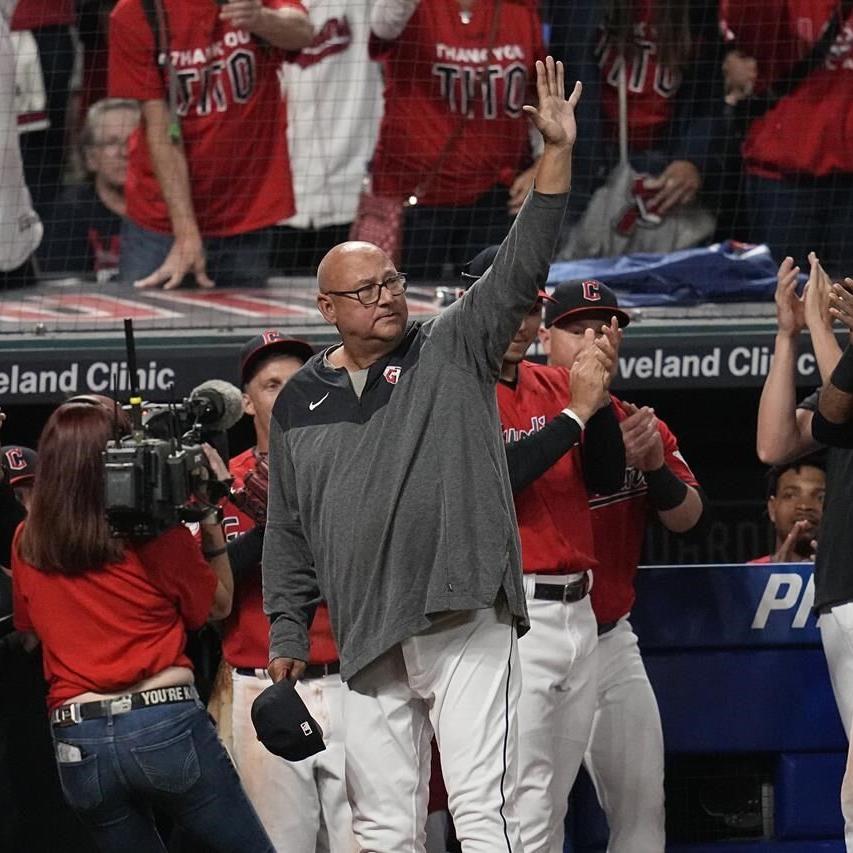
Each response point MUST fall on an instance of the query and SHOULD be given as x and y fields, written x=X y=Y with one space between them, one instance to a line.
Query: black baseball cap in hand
x=582 y=300
x=283 y=724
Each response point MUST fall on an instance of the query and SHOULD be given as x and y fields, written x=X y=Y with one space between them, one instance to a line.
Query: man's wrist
x=578 y=415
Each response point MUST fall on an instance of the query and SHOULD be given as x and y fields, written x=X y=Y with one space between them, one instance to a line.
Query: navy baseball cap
x=270 y=341
x=478 y=265
x=579 y=300
x=19 y=463
x=283 y=724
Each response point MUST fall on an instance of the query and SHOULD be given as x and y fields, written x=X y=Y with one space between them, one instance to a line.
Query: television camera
x=159 y=475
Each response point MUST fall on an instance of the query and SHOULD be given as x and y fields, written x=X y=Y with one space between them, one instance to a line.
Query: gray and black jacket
x=397 y=506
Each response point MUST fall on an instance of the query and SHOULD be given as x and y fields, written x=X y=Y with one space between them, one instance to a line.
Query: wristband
x=570 y=413
x=842 y=376
x=666 y=491
x=218 y=552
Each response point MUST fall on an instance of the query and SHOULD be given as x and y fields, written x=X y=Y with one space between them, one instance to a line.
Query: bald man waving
x=389 y=497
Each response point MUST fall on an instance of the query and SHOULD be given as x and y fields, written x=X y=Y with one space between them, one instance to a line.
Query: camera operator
x=112 y=615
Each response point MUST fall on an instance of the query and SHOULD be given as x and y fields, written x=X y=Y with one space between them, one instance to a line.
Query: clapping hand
x=790 y=308
x=643 y=444
x=841 y=303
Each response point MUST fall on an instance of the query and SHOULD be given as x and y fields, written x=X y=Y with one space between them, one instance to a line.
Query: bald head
x=343 y=265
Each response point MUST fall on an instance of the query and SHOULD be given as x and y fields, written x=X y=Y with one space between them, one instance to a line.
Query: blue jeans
x=114 y=769
x=795 y=215
x=239 y=261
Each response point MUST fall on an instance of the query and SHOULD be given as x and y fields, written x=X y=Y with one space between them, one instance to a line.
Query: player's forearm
x=170 y=167
x=826 y=349
x=554 y=175
x=288 y=29
x=389 y=18
x=777 y=435
x=686 y=515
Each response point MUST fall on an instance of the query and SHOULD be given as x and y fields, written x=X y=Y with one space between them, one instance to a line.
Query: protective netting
x=169 y=142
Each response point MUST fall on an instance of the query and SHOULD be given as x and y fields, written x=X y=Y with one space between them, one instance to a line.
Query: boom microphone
x=222 y=404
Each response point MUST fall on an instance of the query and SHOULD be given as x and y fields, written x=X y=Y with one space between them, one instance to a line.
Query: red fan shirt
x=103 y=631
x=246 y=637
x=439 y=68
x=809 y=130
x=651 y=85
x=232 y=116
x=32 y=14
x=619 y=524
x=554 y=520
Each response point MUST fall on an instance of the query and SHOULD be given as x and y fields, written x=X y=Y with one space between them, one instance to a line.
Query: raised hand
x=790 y=308
x=787 y=551
x=555 y=116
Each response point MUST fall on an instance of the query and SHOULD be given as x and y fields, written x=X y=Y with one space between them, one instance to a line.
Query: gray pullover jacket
x=397 y=506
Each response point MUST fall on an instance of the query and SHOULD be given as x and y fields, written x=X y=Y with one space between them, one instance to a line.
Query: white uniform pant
x=302 y=804
x=836 y=632
x=461 y=680
x=558 y=673
x=625 y=754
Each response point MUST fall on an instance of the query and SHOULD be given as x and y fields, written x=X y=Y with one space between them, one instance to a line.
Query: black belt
x=606 y=627
x=313 y=670
x=565 y=592
x=66 y=715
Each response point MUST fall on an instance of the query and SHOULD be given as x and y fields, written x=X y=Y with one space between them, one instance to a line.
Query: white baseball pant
x=558 y=673
x=303 y=804
x=836 y=633
x=625 y=754
x=461 y=680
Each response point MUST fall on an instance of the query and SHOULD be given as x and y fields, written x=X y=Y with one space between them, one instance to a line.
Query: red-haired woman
x=112 y=616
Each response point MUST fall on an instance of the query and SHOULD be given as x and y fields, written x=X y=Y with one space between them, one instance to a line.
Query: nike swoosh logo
x=312 y=406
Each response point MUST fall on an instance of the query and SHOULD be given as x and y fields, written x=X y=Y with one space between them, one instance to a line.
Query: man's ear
x=771 y=509
x=545 y=340
x=326 y=306
x=248 y=405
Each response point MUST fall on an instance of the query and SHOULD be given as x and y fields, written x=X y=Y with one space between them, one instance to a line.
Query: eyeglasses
x=371 y=293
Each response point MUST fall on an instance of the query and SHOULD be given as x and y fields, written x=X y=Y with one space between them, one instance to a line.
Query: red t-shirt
x=232 y=115
x=651 y=86
x=32 y=14
x=554 y=520
x=809 y=130
x=424 y=69
x=767 y=558
x=245 y=639
x=619 y=524
x=105 y=630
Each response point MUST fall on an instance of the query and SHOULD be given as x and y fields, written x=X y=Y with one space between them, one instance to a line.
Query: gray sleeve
x=477 y=329
x=291 y=593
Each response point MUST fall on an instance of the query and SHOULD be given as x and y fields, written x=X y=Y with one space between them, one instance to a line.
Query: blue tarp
x=724 y=272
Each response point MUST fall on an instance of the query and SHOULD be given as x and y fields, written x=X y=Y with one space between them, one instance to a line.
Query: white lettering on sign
x=782 y=592
x=659 y=365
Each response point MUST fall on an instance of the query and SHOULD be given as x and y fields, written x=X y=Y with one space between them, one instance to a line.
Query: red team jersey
x=651 y=86
x=619 y=525
x=106 y=630
x=232 y=115
x=246 y=637
x=809 y=130
x=554 y=520
x=431 y=76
